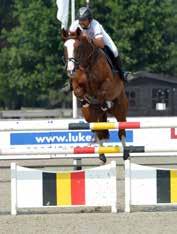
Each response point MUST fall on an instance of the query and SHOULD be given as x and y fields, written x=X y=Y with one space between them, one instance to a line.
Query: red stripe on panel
x=78 y=188
x=125 y=125
x=84 y=150
x=173 y=134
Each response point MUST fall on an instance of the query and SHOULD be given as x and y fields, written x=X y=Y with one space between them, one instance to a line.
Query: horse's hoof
x=102 y=158
x=126 y=154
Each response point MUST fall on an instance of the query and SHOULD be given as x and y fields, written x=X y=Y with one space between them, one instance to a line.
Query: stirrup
x=67 y=87
x=128 y=76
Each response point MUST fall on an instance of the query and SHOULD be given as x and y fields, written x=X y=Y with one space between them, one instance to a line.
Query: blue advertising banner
x=62 y=137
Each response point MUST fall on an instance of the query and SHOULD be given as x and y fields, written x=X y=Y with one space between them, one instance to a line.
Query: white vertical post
x=127 y=165
x=114 y=184
x=74 y=99
x=72 y=10
x=76 y=162
x=87 y=3
x=13 y=189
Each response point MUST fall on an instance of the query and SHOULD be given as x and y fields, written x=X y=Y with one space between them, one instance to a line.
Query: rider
x=96 y=32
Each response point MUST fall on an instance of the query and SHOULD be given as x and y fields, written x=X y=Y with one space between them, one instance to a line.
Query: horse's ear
x=78 y=31
x=64 y=34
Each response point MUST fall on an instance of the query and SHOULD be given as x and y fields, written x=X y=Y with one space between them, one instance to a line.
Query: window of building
x=160 y=96
x=131 y=94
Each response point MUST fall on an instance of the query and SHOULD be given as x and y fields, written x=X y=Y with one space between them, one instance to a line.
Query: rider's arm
x=98 y=35
x=98 y=41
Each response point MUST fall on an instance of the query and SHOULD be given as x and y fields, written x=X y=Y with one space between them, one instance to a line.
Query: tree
x=31 y=68
x=31 y=64
x=144 y=31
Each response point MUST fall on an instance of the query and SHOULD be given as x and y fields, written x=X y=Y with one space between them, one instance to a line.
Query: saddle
x=114 y=63
x=110 y=58
x=110 y=62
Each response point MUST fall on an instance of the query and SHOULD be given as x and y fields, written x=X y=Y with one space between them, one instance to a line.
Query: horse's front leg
x=78 y=92
x=93 y=114
x=79 y=84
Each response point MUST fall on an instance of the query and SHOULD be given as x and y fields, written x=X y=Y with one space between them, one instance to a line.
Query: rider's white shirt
x=96 y=30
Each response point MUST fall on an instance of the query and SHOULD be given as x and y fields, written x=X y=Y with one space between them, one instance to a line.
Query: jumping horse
x=100 y=90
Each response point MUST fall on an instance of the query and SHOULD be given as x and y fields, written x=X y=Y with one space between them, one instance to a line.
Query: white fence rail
x=30 y=188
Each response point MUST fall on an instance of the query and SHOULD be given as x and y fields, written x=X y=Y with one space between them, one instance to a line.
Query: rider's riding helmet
x=84 y=13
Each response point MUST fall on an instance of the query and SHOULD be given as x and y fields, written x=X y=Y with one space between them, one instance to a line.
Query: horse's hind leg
x=120 y=110
x=93 y=114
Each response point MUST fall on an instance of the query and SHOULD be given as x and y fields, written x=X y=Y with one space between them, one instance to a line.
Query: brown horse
x=100 y=91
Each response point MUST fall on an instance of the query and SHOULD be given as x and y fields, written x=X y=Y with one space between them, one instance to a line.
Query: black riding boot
x=118 y=65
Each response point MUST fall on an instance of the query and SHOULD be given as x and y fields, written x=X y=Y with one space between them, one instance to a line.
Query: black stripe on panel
x=49 y=189
x=163 y=186
x=138 y=149
x=135 y=149
x=77 y=126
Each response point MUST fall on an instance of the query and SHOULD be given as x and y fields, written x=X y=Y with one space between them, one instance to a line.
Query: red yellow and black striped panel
x=166 y=186
x=63 y=188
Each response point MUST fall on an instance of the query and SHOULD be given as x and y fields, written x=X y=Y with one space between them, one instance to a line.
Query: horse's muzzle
x=71 y=73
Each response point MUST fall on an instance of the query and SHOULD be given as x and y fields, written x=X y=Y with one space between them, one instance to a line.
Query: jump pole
x=86 y=150
x=40 y=125
x=64 y=150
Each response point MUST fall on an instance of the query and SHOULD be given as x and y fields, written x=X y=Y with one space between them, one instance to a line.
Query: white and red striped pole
x=28 y=125
x=87 y=150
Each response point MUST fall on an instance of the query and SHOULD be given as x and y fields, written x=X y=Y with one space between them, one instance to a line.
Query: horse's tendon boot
x=107 y=105
x=84 y=103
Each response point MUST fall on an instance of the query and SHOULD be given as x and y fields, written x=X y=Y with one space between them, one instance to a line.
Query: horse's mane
x=87 y=52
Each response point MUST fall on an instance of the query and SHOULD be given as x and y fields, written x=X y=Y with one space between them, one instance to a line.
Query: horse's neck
x=99 y=63
x=93 y=61
x=83 y=53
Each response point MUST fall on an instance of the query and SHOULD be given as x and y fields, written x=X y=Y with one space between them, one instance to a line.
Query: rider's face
x=84 y=23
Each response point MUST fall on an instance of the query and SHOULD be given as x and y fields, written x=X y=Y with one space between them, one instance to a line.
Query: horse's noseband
x=75 y=61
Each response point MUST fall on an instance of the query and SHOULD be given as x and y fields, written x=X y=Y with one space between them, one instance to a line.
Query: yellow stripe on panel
x=109 y=149
x=103 y=126
x=173 y=186
x=63 y=188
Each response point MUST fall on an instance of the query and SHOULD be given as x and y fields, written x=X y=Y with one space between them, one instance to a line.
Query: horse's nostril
x=71 y=73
